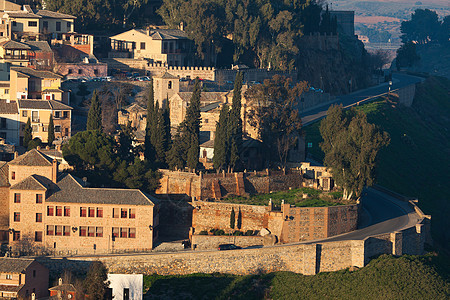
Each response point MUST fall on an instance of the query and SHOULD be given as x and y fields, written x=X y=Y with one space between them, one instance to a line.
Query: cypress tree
x=191 y=128
x=159 y=136
x=151 y=127
x=232 y=218
x=94 y=121
x=239 y=219
x=51 y=131
x=166 y=126
x=235 y=124
x=220 y=140
x=27 y=133
x=175 y=154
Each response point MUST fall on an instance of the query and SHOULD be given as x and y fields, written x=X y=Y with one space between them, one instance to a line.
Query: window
x=115 y=212
x=14 y=23
x=37 y=238
x=9 y=276
x=132 y=233
x=123 y=213
x=80 y=71
x=83 y=230
x=66 y=211
x=35 y=128
x=58 y=230
x=16 y=197
x=58 y=26
x=83 y=212
x=3 y=123
x=57 y=128
x=57 y=114
x=99 y=232
x=66 y=230
x=169 y=85
x=7 y=91
x=50 y=210
x=59 y=211
x=16 y=235
x=24 y=113
x=91 y=231
x=50 y=230
x=99 y=212
x=17 y=217
x=95 y=72
x=13 y=175
x=69 y=26
x=34 y=275
x=69 y=71
x=91 y=212
x=142 y=45
x=123 y=232
x=38 y=198
x=115 y=231
x=39 y=217
x=132 y=213
x=65 y=114
x=32 y=24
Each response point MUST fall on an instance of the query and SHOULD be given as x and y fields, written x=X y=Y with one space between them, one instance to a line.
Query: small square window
x=17 y=217
x=132 y=233
x=80 y=71
x=66 y=211
x=50 y=230
x=16 y=235
x=39 y=217
x=123 y=213
x=37 y=238
x=13 y=175
x=66 y=230
x=24 y=113
x=99 y=212
x=59 y=211
x=38 y=198
x=16 y=198
x=50 y=210
x=83 y=212
x=83 y=230
x=99 y=231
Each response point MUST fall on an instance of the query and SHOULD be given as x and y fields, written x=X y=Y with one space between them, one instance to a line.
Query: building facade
x=58 y=212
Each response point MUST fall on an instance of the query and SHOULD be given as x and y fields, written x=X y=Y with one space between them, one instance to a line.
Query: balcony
x=35 y=120
x=12 y=56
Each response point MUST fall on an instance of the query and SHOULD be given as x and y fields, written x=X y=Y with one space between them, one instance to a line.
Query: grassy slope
x=417 y=162
x=384 y=278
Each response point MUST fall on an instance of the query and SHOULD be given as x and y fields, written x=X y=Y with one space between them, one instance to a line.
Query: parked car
x=229 y=247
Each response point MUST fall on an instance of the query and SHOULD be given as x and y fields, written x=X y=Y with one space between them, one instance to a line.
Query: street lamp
x=390 y=85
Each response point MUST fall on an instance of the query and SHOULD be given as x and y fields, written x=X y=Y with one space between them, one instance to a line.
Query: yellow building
x=27 y=83
x=12 y=53
x=39 y=111
x=33 y=24
x=166 y=46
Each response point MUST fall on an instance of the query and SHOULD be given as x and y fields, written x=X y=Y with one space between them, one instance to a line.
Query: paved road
x=398 y=81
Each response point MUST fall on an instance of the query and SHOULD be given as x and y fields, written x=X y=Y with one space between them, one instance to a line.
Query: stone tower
x=165 y=86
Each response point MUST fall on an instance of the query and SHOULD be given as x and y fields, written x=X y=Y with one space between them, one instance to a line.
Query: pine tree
x=151 y=127
x=27 y=133
x=94 y=121
x=232 y=218
x=51 y=131
x=235 y=124
x=220 y=140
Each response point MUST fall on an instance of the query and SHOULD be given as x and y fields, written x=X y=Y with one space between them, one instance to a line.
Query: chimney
x=182 y=26
x=16 y=154
x=38 y=148
x=54 y=170
x=60 y=281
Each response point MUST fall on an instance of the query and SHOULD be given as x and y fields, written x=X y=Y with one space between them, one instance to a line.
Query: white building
x=9 y=122
x=126 y=286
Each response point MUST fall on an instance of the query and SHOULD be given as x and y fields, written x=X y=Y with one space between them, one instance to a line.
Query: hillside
x=417 y=161
x=387 y=277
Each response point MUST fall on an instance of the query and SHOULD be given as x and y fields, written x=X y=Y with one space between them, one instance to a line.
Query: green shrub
x=203 y=232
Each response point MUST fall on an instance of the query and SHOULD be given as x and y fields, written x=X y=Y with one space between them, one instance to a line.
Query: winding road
x=398 y=81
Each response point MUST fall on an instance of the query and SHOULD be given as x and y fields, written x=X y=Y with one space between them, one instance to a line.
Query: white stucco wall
x=134 y=282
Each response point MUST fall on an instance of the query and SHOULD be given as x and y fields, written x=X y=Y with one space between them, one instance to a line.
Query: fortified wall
x=288 y=223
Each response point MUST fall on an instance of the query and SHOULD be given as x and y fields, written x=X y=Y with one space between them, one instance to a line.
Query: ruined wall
x=203 y=242
x=180 y=183
x=208 y=215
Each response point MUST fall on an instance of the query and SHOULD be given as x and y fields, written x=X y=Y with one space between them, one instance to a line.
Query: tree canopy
x=94 y=121
x=351 y=145
x=51 y=131
x=276 y=116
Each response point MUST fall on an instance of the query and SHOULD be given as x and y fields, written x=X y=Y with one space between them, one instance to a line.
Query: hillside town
x=138 y=151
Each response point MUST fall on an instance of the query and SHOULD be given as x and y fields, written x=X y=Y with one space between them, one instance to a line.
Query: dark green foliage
x=96 y=282
x=406 y=55
x=265 y=33
x=203 y=232
x=220 y=140
x=175 y=158
x=407 y=277
x=137 y=175
x=232 y=218
x=94 y=121
x=276 y=116
x=423 y=27
x=239 y=220
x=124 y=148
x=27 y=133
x=193 y=153
x=34 y=143
x=351 y=146
x=159 y=137
x=152 y=125
x=51 y=131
